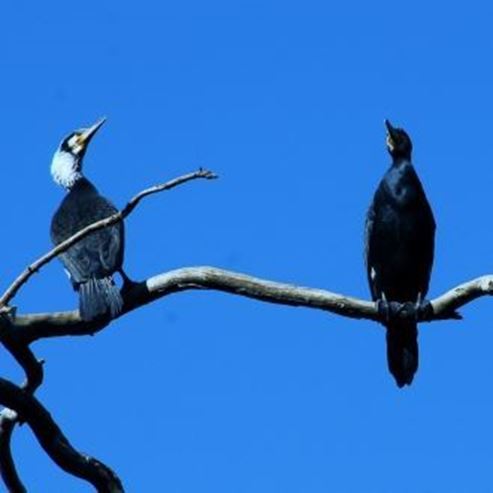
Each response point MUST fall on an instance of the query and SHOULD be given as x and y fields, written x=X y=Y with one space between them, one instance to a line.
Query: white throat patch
x=64 y=169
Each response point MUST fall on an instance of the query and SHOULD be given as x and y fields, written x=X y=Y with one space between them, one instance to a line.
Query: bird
x=399 y=249
x=91 y=262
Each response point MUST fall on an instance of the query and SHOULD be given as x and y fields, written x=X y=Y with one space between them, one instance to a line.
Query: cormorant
x=91 y=262
x=399 y=245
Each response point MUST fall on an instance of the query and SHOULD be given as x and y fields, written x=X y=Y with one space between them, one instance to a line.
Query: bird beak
x=390 y=134
x=86 y=136
x=388 y=125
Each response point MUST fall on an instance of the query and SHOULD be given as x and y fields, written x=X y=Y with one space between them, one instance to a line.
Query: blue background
x=209 y=392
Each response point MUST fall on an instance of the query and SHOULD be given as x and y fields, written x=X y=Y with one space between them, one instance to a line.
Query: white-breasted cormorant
x=399 y=246
x=92 y=261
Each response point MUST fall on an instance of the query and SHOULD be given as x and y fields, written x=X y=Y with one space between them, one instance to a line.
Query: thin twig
x=12 y=290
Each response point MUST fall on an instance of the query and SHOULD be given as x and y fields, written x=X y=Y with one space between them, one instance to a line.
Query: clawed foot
x=128 y=284
x=7 y=313
x=390 y=311
x=424 y=310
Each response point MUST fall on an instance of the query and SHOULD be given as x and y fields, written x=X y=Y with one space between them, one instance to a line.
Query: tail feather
x=402 y=351
x=99 y=298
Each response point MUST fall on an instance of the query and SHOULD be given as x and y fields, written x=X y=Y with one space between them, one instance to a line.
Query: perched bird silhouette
x=92 y=261
x=399 y=247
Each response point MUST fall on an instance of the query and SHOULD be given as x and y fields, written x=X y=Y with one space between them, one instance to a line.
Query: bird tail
x=99 y=298
x=402 y=351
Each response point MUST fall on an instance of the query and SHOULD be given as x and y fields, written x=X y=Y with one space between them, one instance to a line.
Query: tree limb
x=8 y=471
x=22 y=330
x=26 y=329
x=9 y=418
x=32 y=327
x=22 y=354
x=12 y=290
x=19 y=348
x=54 y=442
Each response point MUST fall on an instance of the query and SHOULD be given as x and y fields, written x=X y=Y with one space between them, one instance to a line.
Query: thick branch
x=103 y=223
x=8 y=471
x=21 y=353
x=8 y=418
x=54 y=442
x=31 y=327
x=19 y=348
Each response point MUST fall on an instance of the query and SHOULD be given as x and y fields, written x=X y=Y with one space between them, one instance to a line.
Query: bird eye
x=74 y=140
x=66 y=144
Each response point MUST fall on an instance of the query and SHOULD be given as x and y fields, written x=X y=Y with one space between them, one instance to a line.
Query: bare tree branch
x=19 y=348
x=54 y=442
x=17 y=332
x=9 y=418
x=463 y=294
x=26 y=329
x=22 y=354
x=8 y=471
x=31 y=327
x=12 y=290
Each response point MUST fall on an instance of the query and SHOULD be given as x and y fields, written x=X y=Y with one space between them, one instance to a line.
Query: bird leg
x=423 y=308
x=383 y=308
x=389 y=310
x=128 y=284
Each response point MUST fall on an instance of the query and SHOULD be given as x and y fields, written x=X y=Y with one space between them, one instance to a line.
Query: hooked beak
x=86 y=136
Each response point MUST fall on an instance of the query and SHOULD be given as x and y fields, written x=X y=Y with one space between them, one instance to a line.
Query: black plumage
x=399 y=248
x=92 y=261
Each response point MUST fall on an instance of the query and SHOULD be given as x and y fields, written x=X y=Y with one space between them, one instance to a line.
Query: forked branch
x=22 y=330
x=33 y=368
x=54 y=442
x=12 y=290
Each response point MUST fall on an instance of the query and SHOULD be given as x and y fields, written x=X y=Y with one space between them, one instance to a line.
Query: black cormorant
x=92 y=261
x=400 y=236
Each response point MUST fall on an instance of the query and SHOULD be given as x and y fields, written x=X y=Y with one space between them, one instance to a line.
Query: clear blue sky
x=208 y=392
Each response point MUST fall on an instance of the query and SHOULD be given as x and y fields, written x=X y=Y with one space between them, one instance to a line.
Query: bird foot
x=424 y=310
x=128 y=284
x=391 y=311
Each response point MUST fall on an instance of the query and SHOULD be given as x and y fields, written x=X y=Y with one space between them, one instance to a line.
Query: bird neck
x=66 y=169
x=81 y=183
x=401 y=160
x=72 y=180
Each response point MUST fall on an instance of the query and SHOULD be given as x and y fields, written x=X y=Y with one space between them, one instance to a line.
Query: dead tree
x=19 y=331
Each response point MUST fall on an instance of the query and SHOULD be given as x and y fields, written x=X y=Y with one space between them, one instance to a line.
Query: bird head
x=66 y=166
x=399 y=143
